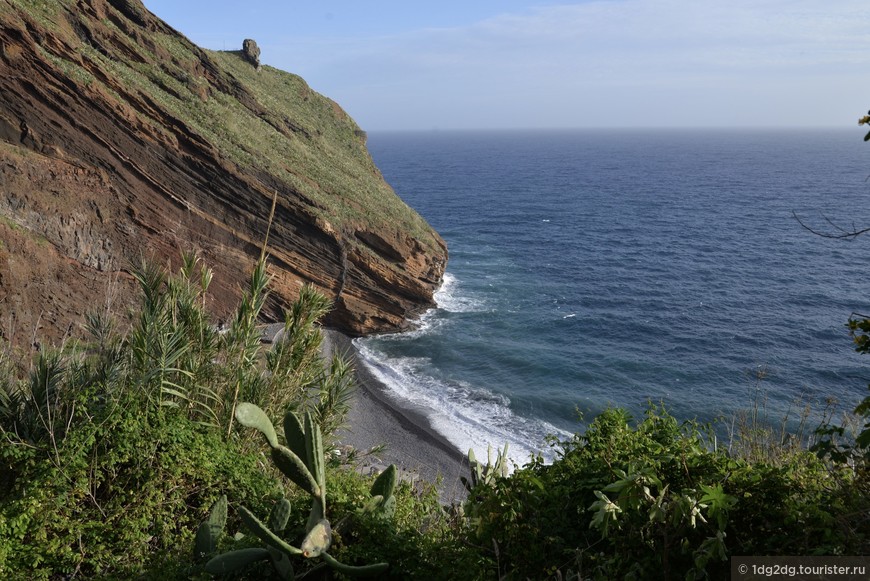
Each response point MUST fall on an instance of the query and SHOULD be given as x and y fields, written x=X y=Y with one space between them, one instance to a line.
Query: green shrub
x=113 y=448
x=118 y=495
x=623 y=501
x=423 y=540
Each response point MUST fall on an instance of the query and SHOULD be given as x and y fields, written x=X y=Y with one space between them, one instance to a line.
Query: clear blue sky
x=396 y=65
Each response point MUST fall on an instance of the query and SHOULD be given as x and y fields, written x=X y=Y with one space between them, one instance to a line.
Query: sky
x=510 y=64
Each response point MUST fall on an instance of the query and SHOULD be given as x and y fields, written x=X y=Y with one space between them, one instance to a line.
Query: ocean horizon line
x=743 y=129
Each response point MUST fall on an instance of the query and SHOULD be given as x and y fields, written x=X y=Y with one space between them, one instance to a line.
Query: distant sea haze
x=612 y=268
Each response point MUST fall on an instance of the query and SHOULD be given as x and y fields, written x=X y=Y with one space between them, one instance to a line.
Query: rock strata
x=120 y=141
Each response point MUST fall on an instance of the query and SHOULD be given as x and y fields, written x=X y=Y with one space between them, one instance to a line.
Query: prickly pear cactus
x=487 y=474
x=302 y=461
x=235 y=560
x=211 y=529
x=317 y=540
x=383 y=488
x=280 y=515
x=252 y=416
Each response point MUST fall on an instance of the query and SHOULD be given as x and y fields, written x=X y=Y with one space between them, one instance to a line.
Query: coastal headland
x=123 y=141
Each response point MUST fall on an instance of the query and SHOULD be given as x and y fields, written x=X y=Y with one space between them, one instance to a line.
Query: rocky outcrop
x=120 y=141
x=251 y=52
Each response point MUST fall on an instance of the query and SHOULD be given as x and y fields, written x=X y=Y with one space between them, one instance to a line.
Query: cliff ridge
x=122 y=140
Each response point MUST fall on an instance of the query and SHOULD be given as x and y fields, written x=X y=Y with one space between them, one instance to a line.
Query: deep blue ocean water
x=611 y=268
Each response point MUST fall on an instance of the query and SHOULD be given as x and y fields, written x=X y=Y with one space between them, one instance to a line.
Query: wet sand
x=411 y=442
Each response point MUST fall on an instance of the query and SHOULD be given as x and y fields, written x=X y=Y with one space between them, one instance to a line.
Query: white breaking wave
x=449 y=298
x=468 y=417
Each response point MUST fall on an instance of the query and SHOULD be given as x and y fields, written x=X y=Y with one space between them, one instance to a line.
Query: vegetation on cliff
x=119 y=137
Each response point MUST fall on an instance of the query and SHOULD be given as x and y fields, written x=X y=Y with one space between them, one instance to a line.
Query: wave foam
x=468 y=417
x=449 y=297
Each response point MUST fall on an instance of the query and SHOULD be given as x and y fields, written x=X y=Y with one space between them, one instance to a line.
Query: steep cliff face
x=121 y=140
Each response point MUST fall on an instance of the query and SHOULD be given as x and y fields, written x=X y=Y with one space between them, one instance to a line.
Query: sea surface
x=597 y=268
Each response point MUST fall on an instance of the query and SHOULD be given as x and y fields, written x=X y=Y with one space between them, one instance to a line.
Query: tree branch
x=839 y=234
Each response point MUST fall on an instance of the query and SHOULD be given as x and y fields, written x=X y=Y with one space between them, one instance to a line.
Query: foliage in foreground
x=302 y=461
x=113 y=449
x=659 y=500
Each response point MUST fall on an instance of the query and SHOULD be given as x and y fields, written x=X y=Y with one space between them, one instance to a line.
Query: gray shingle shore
x=411 y=441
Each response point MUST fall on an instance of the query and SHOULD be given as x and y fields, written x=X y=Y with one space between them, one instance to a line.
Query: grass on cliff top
x=319 y=150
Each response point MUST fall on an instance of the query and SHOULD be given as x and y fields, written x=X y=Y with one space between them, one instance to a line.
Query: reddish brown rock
x=121 y=140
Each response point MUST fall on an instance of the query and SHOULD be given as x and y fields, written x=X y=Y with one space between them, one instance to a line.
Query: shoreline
x=412 y=443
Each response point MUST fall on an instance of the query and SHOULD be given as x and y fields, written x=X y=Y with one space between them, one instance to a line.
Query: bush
x=121 y=493
x=113 y=448
x=422 y=541
x=658 y=500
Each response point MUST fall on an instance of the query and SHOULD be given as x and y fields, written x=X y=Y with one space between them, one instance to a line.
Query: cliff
x=122 y=140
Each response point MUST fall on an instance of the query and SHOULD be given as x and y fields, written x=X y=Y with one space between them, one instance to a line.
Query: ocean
x=594 y=268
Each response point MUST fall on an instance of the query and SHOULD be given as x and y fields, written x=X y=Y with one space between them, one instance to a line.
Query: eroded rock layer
x=120 y=140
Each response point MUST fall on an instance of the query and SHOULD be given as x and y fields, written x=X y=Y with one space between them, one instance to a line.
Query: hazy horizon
x=581 y=65
x=689 y=128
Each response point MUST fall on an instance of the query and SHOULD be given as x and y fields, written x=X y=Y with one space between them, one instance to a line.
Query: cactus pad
x=317 y=540
x=252 y=416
